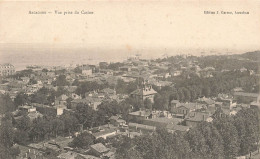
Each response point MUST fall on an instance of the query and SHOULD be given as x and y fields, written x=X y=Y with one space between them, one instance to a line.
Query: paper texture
x=112 y=30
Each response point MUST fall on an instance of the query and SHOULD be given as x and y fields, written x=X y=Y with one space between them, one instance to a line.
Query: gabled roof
x=189 y=105
x=104 y=132
x=141 y=113
x=198 y=116
x=206 y=100
x=99 y=147
x=142 y=126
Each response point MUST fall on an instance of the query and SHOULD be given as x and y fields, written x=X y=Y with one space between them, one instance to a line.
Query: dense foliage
x=226 y=137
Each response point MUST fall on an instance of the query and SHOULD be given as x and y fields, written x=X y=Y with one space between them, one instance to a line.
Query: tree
x=180 y=146
x=41 y=129
x=198 y=144
x=213 y=139
x=83 y=140
x=100 y=140
x=24 y=123
x=187 y=95
x=230 y=136
x=161 y=101
x=15 y=151
x=85 y=115
x=6 y=134
x=106 y=110
x=60 y=91
x=125 y=87
x=68 y=102
x=146 y=146
x=70 y=122
x=32 y=81
x=57 y=126
x=61 y=81
x=181 y=95
x=206 y=91
x=6 y=104
x=87 y=87
x=21 y=137
x=247 y=124
x=148 y=104
x=21 y=99
x=78 y=70
x=10 y=153
x=42 y=96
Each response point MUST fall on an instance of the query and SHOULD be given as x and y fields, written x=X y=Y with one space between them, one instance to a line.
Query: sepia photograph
x=135 y=79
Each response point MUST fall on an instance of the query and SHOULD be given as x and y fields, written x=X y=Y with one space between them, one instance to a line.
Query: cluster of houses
x=179 y=118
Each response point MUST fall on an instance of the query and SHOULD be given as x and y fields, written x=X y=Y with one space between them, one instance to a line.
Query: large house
x=7 y=69
x=196 y=117
x=147 y=92
x=183 y=109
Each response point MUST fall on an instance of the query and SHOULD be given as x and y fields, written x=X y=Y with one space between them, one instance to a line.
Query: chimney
x=26 y=154
x=29 y=150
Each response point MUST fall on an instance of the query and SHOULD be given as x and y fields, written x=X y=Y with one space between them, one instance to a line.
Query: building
x=147 y=92
x=125 y=68
x=61 y=100
x=7 y=69
x=27 y=109
x=34 y=115
x=249 y=96
x=99 y=149
x=141 y=128
x=183 y=109
x=139 y=116
x=90 y=101
x=86 y=71
x=117 y=121
x=105 y=133
x=162 y=121
x=196 y=117
x=49 y=110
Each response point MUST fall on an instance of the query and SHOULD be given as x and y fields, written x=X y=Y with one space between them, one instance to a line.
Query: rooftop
x=148 y=127
x=246 y=94
x=100 y=148
x=141 y=113
x=104 y=132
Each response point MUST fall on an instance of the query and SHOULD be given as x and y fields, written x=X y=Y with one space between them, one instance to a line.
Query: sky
x=119 y=29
